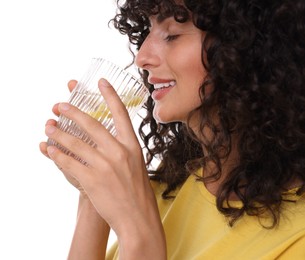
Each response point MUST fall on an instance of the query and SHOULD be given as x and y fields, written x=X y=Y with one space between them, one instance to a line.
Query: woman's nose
x=148 y=55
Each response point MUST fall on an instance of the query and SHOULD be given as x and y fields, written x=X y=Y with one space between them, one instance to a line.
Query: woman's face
x=171 y=54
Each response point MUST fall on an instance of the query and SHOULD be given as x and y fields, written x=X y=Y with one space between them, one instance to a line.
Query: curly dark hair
x=255 y=60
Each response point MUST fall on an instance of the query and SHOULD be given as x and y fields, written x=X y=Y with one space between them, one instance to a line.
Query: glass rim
x=121 y=68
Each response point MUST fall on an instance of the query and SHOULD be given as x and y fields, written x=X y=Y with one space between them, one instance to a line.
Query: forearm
x=91 y=234
x=146 y=240
x=142 y=249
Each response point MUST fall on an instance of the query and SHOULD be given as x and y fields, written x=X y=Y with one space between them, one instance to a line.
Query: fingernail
x=103 y=83
x=50 y=129
x=50 y=149
x=64 y=106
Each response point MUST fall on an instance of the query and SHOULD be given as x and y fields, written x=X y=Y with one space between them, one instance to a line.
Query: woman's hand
x=43 y=145
x=115 y=178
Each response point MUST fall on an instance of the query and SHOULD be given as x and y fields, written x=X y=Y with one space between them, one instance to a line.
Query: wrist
x=91 y=233
x=84 y=204
x=143 y=243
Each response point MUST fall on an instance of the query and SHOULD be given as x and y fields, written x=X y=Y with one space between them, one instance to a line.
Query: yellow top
x=196 y=230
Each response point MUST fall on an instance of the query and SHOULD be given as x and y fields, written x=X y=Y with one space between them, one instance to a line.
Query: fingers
x=79 y=148
x=95 y=129
x=68 y=165
x=72 y=84
x=43 y=145
x=43 y=149
x=107 y=145
x=55 y=109
x=51 y=122
x=118 y=110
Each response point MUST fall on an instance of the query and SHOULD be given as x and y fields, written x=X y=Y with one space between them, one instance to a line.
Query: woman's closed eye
x=170 y=38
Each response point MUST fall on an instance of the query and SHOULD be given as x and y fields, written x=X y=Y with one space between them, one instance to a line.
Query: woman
x=226 y=116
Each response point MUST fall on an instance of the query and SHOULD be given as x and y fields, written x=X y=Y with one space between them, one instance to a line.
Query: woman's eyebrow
x=161 y=18
x=158 y=19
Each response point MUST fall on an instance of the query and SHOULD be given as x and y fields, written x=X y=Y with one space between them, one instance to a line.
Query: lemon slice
x=103 y=111
x=132 y=101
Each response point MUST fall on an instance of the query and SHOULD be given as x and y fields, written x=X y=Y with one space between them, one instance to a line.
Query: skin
x=91 y=231
x=131 y=211
x=125 y=173
x=172 y=51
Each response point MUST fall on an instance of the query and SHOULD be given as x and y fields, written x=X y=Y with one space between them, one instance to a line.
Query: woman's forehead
x=167 y=9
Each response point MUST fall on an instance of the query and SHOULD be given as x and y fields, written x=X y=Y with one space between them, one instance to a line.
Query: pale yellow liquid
x=103 y=111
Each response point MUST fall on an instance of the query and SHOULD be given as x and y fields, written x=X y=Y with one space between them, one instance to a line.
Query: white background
x=43 y=44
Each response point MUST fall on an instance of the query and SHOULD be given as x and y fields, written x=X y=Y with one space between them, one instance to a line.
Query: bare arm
x=116 y=182
x=91 y=233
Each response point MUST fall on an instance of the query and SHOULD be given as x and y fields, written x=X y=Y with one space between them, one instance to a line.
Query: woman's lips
x=161 y=89
x=164 y=84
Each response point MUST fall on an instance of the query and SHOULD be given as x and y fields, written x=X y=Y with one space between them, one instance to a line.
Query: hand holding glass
x=87 y=97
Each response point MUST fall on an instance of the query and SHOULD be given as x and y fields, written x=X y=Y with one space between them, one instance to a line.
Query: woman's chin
x=163 y=118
